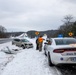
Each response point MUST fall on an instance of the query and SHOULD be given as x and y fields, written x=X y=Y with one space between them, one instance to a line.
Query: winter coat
x=40 y=39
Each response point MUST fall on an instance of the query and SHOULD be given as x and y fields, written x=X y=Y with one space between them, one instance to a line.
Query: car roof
x=63 y=38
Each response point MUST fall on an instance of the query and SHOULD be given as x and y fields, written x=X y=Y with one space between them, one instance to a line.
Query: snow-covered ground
x=26 y=62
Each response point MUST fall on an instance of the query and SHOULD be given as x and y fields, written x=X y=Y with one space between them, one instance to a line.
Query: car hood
x=28 y=42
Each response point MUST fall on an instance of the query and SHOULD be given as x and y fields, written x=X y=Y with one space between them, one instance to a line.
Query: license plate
x=73 y=59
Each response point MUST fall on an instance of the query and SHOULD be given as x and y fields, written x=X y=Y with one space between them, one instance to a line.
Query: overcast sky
x=40 y=15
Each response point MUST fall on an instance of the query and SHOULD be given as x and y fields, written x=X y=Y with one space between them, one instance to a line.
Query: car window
x=24 y=40
x=65 y=41
x=16 y=39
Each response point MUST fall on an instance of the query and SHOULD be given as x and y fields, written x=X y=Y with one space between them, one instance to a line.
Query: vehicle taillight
x=64 y=50
x=58 y=51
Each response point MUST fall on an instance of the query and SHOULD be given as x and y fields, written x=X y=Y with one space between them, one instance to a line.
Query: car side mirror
x=45 y=43
x=49 y=42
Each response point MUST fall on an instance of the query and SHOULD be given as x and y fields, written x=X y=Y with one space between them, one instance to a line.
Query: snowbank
x=29 y=62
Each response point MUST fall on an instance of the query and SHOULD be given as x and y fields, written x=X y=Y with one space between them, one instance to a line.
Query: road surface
x=4 y=40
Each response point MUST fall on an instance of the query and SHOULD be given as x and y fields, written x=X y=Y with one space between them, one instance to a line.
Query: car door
x=48 y=44
x=18 y=42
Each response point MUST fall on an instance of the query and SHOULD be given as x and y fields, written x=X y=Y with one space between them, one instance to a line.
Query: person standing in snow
x=40 y=41
x=37 y=44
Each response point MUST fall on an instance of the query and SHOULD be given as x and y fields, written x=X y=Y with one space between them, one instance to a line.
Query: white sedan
x=60 y=51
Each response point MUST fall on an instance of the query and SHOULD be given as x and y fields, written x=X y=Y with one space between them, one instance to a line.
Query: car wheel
x=23 y=46
x=49 y=60
x=45 y=53
x=12 y=43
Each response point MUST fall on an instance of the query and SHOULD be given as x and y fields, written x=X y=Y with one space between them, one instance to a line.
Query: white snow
x=24 y=35
x=28 y=62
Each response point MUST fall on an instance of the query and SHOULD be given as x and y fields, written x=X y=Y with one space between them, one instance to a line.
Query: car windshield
x=24 y=40
x=65 y=41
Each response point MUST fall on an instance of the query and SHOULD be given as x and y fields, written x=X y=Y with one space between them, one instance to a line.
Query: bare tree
x=67 y=25
x=2 y=32
x=67 y=19
x=2 y=29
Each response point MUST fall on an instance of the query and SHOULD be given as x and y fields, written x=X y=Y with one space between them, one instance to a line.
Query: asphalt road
x=4 y=40
x=67 y=69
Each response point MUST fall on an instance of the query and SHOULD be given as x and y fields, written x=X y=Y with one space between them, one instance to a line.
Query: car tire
x=23 y=46
x=49 y=60
x=45 y=53
x=12 y=43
